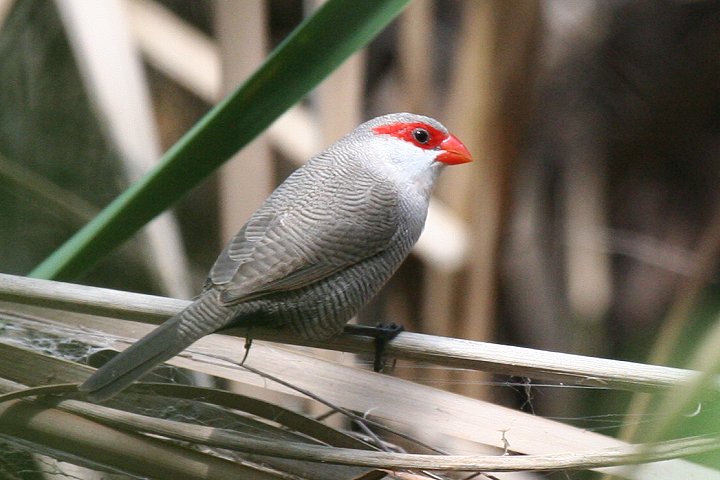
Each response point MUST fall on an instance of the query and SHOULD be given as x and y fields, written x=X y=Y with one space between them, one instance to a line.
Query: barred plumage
x=323 y=243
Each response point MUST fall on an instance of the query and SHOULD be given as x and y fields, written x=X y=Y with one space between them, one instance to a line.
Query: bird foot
x=248 y=344
x=382 y=334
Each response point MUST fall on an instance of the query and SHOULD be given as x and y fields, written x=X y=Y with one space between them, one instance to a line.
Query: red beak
x=454 y=152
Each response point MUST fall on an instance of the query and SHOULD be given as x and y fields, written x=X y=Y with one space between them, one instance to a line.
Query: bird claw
x=382 y=334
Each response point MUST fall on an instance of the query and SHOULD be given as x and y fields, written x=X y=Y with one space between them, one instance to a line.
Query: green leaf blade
x=318 y=46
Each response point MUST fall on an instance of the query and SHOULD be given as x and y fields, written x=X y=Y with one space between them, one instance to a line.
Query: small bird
x=317 y=250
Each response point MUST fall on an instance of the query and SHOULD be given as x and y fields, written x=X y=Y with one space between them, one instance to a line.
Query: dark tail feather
x=159 y=345
x=163 y=343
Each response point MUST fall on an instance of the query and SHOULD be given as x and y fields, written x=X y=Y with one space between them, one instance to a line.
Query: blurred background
x=589 y=222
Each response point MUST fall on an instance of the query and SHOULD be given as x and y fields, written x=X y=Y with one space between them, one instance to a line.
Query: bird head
x=426 y=135
x=410 y=149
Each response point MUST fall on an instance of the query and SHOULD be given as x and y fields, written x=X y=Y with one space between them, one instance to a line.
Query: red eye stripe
x=405 y=131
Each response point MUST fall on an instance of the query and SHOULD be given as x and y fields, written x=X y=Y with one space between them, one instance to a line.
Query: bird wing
x=304 y=235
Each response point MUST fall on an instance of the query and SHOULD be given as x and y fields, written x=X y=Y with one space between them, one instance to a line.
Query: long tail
x=201 y=318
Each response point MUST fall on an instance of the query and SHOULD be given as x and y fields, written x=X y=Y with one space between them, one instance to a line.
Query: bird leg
x=382 y=334
x=248 y=344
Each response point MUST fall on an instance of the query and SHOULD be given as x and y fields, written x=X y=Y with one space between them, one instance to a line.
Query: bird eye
x=421 y=135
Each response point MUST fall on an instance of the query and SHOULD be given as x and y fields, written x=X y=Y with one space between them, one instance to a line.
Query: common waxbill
x=320 y=246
